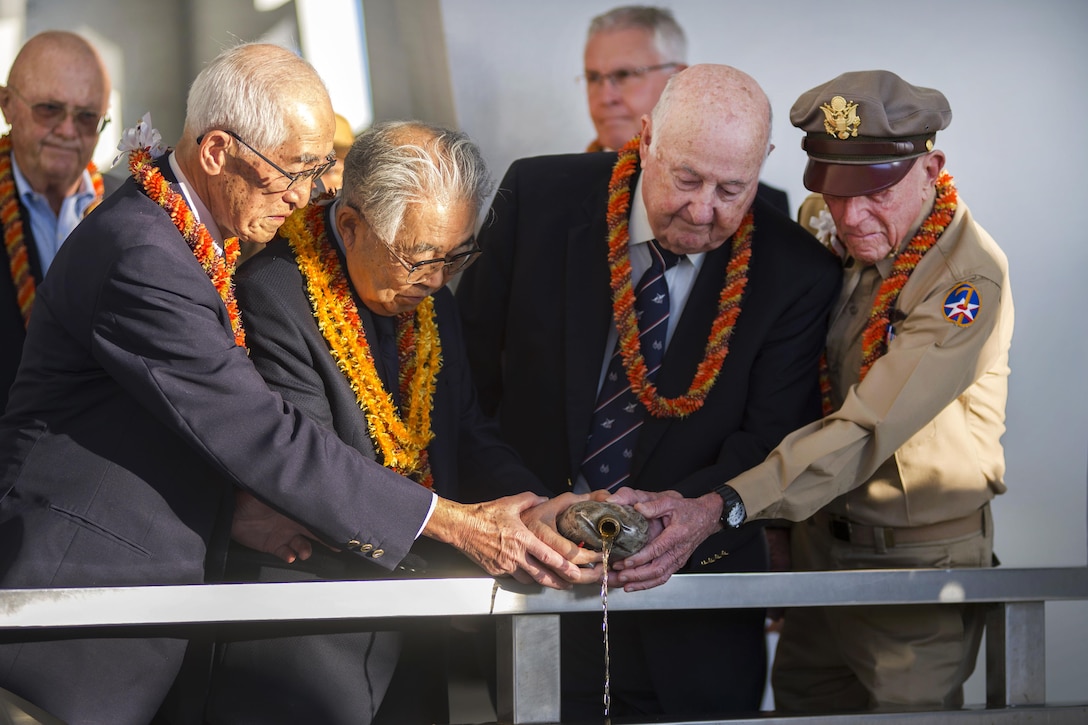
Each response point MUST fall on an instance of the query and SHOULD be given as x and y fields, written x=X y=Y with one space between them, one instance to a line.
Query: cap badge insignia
x=962 y=305
x=841 y=118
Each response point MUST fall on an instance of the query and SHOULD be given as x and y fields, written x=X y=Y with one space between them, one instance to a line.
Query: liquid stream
x=607 y=549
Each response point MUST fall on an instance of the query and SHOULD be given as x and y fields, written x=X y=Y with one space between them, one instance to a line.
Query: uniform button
x=353 y=544
x=366 y=547
x=378 y=553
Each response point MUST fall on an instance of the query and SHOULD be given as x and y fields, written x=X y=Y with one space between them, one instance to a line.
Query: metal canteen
x=591 y=523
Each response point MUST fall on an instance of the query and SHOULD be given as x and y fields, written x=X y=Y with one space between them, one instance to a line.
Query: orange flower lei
x=218 y=267
x=403 y=443
x=14 y=242
x=874 y=340
x=620 y=189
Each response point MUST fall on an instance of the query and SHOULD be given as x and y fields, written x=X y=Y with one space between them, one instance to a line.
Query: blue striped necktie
x=619 y=414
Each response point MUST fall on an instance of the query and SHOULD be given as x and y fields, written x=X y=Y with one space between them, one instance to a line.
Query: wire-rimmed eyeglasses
x=310 y=174
x=423 y=270
x=622 y=76
x=51 y=114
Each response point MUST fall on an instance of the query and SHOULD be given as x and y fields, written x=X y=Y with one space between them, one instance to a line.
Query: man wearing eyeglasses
x=55 y=102
x=631 y=52
x=137 y=413
x=347 y=316
x=643 y=322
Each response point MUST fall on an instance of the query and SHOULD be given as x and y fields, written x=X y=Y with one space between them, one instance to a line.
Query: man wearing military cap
x=900 y=471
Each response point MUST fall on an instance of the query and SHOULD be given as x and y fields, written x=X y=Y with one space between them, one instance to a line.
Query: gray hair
x=247 y=89
x=396 y=163
x=669 y=37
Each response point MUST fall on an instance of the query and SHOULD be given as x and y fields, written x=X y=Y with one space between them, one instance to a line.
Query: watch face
x=736 y=514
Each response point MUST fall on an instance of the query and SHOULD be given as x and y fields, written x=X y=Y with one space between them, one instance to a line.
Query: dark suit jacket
x=132 y=415
x=468 y=458
x=537 y=311
x=12 y=330
x=342 y=676
x=775 y=197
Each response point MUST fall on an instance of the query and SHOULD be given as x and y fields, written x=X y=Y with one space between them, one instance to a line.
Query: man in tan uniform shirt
x=900 y=473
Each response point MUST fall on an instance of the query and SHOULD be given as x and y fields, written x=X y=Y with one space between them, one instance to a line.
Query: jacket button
x=378 y=553
x=353 y=544
x=366 y=547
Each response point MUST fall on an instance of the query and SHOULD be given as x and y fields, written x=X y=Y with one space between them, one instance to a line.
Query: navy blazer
x=537 y=311
x=131 y=417
x=468 y=458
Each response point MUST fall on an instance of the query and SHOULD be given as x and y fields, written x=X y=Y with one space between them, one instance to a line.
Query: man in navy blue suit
x=548 y=317
x=136 y=412
x=370 y=268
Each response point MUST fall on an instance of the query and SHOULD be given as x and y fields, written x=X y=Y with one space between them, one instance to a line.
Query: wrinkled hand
x=493 y=535
x=263 y=528
x=681 y=524
x=541 y=520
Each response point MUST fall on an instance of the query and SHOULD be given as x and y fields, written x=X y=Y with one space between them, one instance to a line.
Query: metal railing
x=528 y=621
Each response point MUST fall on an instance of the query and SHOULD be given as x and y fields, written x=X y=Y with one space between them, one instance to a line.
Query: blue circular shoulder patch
x=962 y=305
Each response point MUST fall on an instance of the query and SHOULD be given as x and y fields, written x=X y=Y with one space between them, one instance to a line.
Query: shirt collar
x=196 y=204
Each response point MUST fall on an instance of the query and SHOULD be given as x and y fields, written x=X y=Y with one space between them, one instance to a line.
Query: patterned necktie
x=619 y=413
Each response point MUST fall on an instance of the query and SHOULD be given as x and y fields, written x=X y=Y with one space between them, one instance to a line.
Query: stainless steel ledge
x=311 y=601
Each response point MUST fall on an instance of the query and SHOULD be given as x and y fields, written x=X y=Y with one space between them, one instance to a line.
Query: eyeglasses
x=420 y=271
x=52 y=114
x=623 y=76
x=293 y=178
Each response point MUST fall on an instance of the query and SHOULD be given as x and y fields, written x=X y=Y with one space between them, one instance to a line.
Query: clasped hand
x=677 y=526
x=514 y=536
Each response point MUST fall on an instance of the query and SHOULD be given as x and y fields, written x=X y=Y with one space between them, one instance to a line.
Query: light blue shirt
x=48 y=229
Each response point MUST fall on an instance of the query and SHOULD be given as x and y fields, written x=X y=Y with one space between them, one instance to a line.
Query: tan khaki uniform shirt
x=918 y=441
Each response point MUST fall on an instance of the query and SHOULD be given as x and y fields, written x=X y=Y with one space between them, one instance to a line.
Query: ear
x=647 y=134
x=348 y=224
x=933 y=163
x=5 y=98
x=212 y=152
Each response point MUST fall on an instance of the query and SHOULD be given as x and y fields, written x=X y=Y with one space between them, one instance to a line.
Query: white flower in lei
x=823 y=226
x=142 y=136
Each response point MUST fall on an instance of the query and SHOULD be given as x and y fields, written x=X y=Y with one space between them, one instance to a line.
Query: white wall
x=1014 y=74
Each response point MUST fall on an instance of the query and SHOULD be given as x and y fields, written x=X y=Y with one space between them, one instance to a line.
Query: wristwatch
x=733 y=512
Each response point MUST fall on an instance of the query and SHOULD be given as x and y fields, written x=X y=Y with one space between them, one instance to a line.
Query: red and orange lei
x=218 y=267
x=874 y=340
x=402 y=442
x=620 y=189
x=12 y=222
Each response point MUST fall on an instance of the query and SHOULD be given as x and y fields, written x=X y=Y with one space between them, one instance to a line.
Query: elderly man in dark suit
x=347 y=316
x=136 y=409
x=605 y=378
x=55 y=101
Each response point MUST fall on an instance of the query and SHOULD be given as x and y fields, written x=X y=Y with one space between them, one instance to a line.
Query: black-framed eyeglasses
x=52 y=114
x=423 y=270
x=622 y=76
x=311 y=174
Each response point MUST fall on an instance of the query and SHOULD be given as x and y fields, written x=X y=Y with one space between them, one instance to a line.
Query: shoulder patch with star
x=962 y=305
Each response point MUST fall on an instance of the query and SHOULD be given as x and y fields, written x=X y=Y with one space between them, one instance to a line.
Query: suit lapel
x=586 y=321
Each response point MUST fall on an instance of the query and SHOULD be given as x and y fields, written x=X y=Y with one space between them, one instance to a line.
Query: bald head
x=702 y=150
x=715 y=102
x=55 y=70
